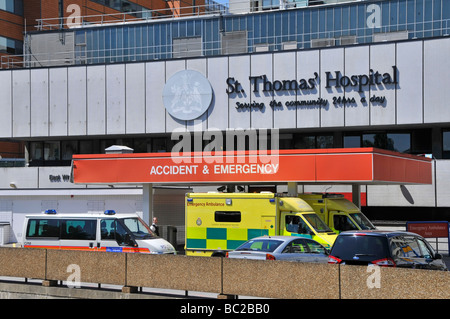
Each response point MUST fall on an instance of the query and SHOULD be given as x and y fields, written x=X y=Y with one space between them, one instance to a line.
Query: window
x=446 y=144
x=343 y=223
x=405 y=246
x=424 y=249
x=399 y=142
x=108 y=229
x=36 y=151
x=314 y=247
x=313 y=141
x=297 y=246
x=79 y=229
x=13 y=6
x=266 y=245
x=317 y=223
x=227 y=217
x=351 y=141
x=111 y=229
x=52 y=151
x=68 y=148
x=122 y=236
x=86 y=147
x=43 y=228
x=138 y=228
x=294 y=224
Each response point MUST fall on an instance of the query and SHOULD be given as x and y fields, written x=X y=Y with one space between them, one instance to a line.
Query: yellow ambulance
x=337 y=212
x=218 y=222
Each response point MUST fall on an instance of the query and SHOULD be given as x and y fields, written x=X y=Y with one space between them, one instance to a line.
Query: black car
x=385 y=248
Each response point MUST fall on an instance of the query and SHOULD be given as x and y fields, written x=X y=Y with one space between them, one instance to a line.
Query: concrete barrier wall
x=175 y=272
x=96 y=267
x=393 y=283
x=281 y=279
x=277 y=279
x=25 y=263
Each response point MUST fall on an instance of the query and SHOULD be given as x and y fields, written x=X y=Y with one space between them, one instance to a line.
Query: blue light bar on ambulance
x=190 y=199
x=50 y=212
x=110 y=212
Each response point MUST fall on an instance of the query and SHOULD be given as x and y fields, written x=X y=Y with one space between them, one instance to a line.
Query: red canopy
x=337 y=166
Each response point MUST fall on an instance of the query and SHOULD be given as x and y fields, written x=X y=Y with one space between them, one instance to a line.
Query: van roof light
x=110 y=212
x=50 y=211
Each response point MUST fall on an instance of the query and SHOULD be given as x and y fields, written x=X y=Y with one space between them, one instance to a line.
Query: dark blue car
x=385 y=248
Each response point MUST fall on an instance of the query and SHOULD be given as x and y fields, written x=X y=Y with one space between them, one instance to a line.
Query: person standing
x=154 y=227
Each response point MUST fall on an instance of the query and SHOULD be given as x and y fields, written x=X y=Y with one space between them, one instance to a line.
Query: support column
x=356 y=195
x=293 y=189
x=147 y=203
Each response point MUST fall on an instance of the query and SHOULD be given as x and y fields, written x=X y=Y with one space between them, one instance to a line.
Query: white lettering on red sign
x=230 y=169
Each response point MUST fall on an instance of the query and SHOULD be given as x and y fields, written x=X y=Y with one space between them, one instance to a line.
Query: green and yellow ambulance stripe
x=220 y=238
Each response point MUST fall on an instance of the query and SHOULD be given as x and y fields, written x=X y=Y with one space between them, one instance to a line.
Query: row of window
x=56 y=153
x=81 y=229
x=357 y=23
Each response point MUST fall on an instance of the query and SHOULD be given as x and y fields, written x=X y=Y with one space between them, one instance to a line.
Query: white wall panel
x=200 y=123
x=5 y=104
x=261 y=64
x=308 y=63
x=39 y=102
x=173 y=67
x=58 y=101
x=332 y=60
x=356 y=63
x=21 y=103
x=436 y=91
x=96 y=100
x=22 y=177
x=135 y=98
x=239 y=69
x=115 y=99
x=218 y=111
x=154 y=107
x=409 y=97
x=382 y=58
x=442 y=178
x=76 y=101
x=401 y=195
x=284 y=69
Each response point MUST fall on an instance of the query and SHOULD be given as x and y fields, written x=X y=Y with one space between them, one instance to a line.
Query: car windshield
x=138 y=228
x=317 y=223
x=362 y=221
x=360 y=247
x=266 y=245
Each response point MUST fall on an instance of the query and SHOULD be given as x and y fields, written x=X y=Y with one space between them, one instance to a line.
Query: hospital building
x=100 y=76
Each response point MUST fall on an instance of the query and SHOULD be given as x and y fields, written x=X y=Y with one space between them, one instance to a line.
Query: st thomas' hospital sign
x=356 y=82
x=188 y=94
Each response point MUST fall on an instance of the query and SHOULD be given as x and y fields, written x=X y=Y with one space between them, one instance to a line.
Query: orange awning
x=334 y=166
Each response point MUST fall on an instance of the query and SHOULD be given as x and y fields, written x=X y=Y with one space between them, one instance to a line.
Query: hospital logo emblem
x=187 y=95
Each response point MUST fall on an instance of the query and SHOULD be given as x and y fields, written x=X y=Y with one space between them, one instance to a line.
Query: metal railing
x=254 y=44
x=81 y=54
x=172 y=12
x=128 y=17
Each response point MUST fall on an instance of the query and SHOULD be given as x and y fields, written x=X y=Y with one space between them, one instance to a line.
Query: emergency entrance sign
x=432 y=229
x=352 y=165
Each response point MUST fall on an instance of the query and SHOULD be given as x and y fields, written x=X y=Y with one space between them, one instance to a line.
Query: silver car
x=290 y=248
